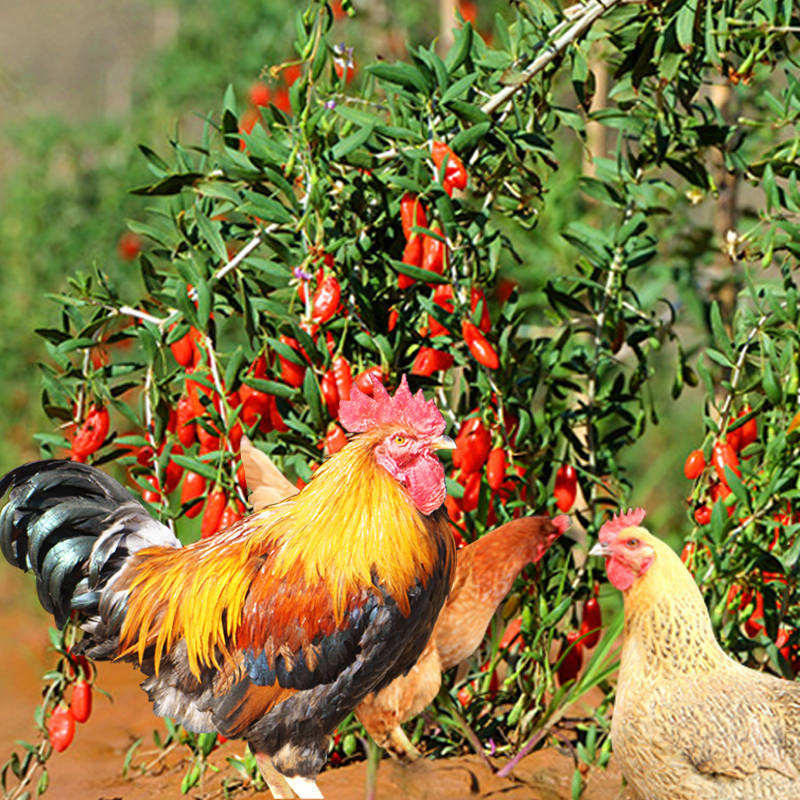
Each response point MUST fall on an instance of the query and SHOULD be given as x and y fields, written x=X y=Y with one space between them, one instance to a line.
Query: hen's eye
x=399 y=439
x=632 y=543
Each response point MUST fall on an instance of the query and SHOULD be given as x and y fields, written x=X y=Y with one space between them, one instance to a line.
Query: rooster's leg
x=304 y=788
x=277 y=783
x=400 y=745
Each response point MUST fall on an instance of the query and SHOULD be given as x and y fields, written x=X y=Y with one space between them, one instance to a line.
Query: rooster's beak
x=601 y=549
x=443 y=443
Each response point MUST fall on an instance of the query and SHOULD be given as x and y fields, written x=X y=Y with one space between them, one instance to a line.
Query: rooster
x=485 y=571
x=276 y=628
x=689 y=722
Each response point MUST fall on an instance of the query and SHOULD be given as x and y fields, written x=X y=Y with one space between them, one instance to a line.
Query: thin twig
x=591 y=13
x=737 y=371
x=242 y=254
x=128 y=311
x=214 y=369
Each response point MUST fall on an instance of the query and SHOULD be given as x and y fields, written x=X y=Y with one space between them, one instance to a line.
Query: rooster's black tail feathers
x=73 y=526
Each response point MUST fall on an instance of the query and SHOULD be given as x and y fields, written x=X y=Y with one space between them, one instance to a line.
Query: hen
x=690 y=723
x=485 y=571
x=276 y=628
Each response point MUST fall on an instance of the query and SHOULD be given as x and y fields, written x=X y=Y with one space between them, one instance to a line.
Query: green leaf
x=173 y=184
x=229 y=100
x=721 y=337
x=417 y=272
x=266 y=208
x=351 y=142
x=190 y=778
x=210 y=232
x=460 y=50
x=405 y=75
x=684 y=24
x=271 y=387
x=459 y=88
x=463 y=140
x=736 y=486
x=771 y=386
x=195 y=465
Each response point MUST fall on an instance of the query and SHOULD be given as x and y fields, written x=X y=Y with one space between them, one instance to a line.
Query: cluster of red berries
x=61 y=722
x=726 y=451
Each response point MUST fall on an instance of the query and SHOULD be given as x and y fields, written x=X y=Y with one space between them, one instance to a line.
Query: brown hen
x=485 y=571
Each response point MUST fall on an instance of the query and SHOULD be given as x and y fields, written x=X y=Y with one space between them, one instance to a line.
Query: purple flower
x=329 y=104
x=343 y=55
x=301 y=274
x=491 y=746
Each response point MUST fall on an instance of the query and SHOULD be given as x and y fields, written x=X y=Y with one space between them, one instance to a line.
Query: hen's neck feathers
x=667 y=627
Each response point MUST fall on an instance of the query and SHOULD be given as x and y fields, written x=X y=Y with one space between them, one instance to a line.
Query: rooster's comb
x=362 y=412
x=620 y=521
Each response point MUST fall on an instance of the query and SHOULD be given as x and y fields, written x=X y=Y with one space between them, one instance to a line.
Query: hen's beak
x=443 y=443
x=601 y=549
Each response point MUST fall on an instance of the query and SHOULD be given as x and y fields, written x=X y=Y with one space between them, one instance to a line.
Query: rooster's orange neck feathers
x=351 y=523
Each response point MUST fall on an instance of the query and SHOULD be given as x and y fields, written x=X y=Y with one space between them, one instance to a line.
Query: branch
x=725 y=412
x=137 y=314
x=591 y=12
x=243 y=253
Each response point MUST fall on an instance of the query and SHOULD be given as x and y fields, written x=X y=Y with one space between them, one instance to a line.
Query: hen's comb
x=620 y=521
x=362 y=412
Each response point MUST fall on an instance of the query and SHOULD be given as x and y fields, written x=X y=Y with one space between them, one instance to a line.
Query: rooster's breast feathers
x=299 y=595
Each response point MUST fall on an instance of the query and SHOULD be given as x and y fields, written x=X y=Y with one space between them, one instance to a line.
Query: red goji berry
x=81 y=702
x=571 y=658
x=215 y=505
x=335 y=439
x=330 y=393
x=412 y=212
x=454 y=171
x=364 y=380
x=61 y=728
x=565 y=489
x=695 y=464
x=326 y=300
x=344 y=377
x=434 y=253
x=92 y=433
x=473 y=443
x=496 y=468
x=480 y=348
x=724 y=455
x=591 y=623
x=291 y=373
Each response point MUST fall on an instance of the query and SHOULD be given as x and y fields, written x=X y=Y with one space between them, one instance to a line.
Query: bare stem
x=137 y=314
x=242 y=254
x=738 y=367
x=591 y=12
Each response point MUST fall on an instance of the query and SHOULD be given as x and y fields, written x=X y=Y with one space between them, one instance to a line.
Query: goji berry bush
x=347 y=222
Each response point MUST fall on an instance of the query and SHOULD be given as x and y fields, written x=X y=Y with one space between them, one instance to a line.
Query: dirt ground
x=91 y=767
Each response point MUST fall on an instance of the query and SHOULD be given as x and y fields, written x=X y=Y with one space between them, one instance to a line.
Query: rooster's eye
x=632 y=543
x=399 y=439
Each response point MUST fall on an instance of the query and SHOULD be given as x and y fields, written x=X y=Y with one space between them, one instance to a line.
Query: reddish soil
x=91 y=767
